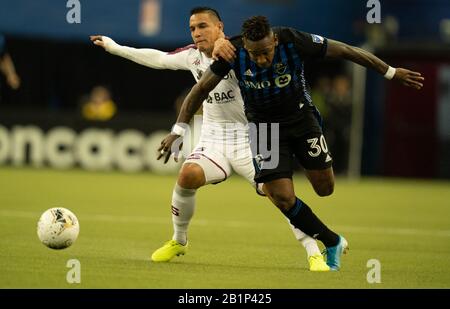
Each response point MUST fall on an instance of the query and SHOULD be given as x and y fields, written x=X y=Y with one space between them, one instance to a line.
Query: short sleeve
x=309 y=45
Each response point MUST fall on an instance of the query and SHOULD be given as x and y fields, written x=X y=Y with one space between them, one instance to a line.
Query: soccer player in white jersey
x=224 y=144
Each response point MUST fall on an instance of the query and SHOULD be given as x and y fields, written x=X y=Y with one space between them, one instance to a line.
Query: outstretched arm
x=358 y=55
x=151 y=58
x=191 y=104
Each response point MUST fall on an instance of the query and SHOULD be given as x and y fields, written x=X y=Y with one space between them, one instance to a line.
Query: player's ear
x=275 y=39
x=221 y=27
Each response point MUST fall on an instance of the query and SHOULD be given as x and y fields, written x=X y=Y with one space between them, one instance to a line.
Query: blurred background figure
x=7 y=67
x=338 y=121
x=319 y=94
x=98 y=105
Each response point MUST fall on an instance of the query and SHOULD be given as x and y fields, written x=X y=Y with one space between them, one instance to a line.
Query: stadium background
x=375 y=129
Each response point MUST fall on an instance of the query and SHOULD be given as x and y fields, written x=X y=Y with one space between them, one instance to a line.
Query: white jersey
x=223 y=111
x=224 y=141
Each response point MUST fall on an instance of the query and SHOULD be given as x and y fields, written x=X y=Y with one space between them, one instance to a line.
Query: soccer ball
x=58 y=228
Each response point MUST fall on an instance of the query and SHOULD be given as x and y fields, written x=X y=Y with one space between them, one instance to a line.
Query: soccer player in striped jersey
x=269 y=64
x=224 y=141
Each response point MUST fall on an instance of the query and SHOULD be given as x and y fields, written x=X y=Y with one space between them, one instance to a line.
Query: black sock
x=302 y=217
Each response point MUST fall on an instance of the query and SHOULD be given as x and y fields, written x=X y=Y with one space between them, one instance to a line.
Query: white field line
x=230 y=223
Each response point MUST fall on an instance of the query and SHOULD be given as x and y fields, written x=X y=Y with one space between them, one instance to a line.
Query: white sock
x=183 y=206
x=308 y=242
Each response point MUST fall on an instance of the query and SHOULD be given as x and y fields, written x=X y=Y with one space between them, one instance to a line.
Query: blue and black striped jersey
x=275 y=94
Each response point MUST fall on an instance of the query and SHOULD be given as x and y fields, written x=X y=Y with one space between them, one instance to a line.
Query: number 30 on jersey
x=317 y=146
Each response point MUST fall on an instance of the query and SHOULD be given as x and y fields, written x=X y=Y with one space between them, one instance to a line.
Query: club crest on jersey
x=280 y=68
x=317 y=38
x=283 y=80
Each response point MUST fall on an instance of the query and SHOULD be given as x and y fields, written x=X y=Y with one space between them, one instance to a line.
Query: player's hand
x=223 y=48
x=409 y=78
x=103 y=41
x=171 y=144
x=97 y=40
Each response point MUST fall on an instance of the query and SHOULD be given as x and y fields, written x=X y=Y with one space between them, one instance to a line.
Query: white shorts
x=219 y=160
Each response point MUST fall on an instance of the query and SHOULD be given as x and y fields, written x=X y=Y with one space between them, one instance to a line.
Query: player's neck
x=207 y=52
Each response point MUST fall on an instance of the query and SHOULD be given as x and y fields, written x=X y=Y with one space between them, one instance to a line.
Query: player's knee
x=284 y=201
x=324 y=188
x=322 y=181
x=191 y=177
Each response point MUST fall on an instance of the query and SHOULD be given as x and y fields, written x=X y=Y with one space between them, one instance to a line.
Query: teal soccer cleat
x=334 y=254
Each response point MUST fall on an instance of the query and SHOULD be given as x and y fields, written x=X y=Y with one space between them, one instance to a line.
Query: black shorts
x=303 y=140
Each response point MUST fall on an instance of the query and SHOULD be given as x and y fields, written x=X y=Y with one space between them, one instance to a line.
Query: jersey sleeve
x=309 y=45
x=156 y=59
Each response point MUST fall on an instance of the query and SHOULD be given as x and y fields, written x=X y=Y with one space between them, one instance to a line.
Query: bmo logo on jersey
x=280 y=82
x=221 y=97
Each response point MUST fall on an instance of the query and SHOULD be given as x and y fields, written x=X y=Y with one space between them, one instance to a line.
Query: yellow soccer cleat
x=167 y=252
x=317 y=263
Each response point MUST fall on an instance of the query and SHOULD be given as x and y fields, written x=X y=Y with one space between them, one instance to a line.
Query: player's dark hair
x=205 y=9
x=256 y=28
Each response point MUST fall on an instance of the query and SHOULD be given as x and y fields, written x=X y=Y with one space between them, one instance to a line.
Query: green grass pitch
x=237 y=239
